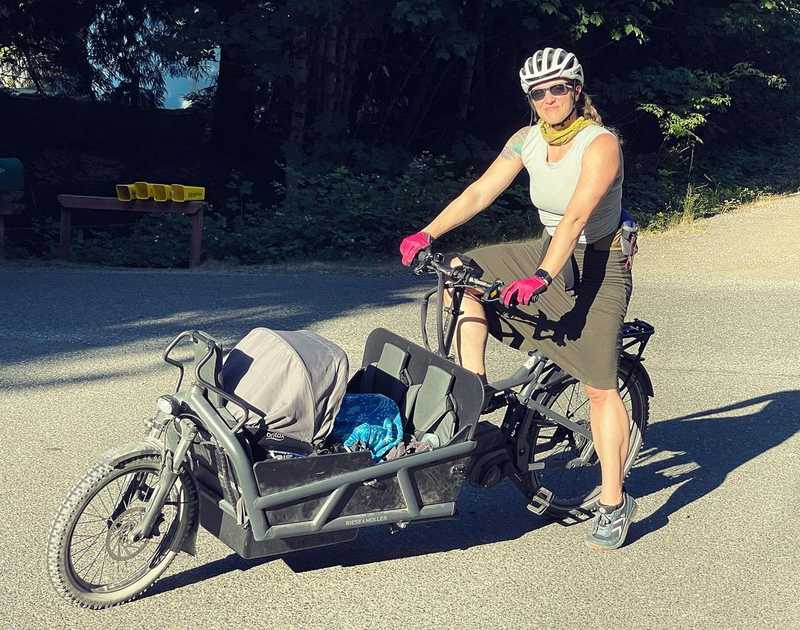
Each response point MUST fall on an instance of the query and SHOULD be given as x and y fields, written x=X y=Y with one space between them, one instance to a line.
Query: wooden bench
x=192 y=209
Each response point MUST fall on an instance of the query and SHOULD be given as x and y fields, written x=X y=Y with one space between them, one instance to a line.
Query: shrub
x=339 y=214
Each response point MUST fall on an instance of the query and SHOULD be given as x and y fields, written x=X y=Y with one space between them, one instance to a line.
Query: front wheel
x=564 y=467
x=91 y=560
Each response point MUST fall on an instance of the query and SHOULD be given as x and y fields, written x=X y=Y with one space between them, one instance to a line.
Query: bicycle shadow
x=485 y=517
x=705 y=447
x=693 y=464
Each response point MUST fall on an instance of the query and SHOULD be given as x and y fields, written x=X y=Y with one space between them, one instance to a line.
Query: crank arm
x=577 y=462
x=557 y=418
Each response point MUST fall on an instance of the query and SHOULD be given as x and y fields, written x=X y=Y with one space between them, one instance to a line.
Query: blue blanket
x=372 y=419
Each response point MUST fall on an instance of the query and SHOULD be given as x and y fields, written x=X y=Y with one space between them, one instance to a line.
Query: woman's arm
x=599 y=168
x=480 y=194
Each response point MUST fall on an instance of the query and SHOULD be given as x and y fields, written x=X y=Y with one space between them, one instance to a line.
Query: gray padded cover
x=296 y=378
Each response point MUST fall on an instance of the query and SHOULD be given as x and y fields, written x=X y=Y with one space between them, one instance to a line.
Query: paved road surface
x=715 y=543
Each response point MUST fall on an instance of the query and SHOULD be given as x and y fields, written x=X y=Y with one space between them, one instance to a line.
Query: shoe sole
x=622 y=539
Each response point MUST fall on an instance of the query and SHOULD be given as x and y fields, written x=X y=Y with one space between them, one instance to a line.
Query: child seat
x=388 y=375
x=430 y=391
x=430 y=408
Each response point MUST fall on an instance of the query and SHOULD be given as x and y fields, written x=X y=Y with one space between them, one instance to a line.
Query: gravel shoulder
x=756 y=242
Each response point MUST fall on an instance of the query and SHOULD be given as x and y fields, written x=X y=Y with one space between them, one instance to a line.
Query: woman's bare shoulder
x=604 y=142
x=513 y=148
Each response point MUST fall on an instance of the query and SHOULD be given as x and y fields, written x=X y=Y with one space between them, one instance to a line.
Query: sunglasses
x=559 y=89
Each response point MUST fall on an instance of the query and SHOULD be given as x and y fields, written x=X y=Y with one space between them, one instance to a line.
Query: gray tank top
x=553 y=184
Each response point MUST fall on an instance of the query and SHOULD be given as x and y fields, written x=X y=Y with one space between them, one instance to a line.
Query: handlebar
x=198 y=336
x=465 y=276
x=195 y=336
x=456 y=279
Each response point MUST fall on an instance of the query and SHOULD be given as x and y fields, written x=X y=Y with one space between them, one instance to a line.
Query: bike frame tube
x=242 y=467
x=637 y=331
x=455 y=313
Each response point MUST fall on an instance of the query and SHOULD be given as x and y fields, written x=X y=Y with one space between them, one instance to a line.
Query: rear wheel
x=91 y=559
x=565 y=470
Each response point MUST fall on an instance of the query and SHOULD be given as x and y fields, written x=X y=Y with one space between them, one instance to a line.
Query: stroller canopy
x=296 y=379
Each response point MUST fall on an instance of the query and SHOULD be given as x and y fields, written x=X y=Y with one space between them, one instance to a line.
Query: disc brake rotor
x=119 y=545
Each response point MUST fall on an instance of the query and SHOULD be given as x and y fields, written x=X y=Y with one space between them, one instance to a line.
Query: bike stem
x=170 y=470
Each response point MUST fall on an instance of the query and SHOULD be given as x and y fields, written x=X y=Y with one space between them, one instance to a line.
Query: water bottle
x=629 y=230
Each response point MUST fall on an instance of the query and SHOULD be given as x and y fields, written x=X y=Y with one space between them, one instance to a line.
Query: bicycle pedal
x=540 y=501
x=575 y=462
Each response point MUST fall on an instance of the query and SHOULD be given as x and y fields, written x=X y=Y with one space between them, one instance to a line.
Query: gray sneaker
x=607 y=530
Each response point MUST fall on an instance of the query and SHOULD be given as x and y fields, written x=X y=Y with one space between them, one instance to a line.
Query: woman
x=577 y=274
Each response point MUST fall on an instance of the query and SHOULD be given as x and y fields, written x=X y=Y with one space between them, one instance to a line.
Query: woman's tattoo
x=513 y=148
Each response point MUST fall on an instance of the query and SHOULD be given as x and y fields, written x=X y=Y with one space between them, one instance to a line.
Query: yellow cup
x=188 y=193
x=125 y=192
x=143 y=190
x=161 y=192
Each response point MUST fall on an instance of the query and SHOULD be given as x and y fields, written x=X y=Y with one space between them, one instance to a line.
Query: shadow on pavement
x=485 y=517
x=706 y=446
x=66 y=312
x=695 y=453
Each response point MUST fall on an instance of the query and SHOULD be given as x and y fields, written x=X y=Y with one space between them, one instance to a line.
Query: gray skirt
x=578 y=330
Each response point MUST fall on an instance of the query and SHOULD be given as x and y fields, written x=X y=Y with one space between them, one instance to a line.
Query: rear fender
x=628 y=362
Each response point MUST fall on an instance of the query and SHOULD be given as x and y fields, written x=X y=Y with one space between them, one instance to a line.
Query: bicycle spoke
x=80 y=537
x=82 y=522
x=92 y=563
x=80 y=547
x=102 y=566
x=101 y=501
x=92 y=512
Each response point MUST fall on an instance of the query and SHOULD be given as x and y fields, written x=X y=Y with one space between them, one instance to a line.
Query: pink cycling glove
x=525 y=290
x=411 y=246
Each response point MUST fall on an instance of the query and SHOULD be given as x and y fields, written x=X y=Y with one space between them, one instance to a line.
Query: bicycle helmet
x=547 y=64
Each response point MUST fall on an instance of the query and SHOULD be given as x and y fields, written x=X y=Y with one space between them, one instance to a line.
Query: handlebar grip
x=199 y=335
x=180 y=337
x=421 y=260
x=422 y=256
x=195 y=336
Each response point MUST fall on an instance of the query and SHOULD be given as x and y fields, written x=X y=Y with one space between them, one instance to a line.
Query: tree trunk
x=425 y=99
x=76 y=63
x=418 y=104
x=330 y=71
x=469 y=65
x=350 y=70
x=342 y=59
x=300 y=50
x=426 y=82
x=234 y=104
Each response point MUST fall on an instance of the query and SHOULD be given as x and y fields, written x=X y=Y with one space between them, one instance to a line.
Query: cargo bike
x=213 y=459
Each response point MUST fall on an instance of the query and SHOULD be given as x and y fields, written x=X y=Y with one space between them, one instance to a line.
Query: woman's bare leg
x=471 y=333
x=611 y=435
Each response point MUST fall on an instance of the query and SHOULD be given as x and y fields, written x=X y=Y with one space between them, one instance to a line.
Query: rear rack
x=635 y=332
x=637 y=329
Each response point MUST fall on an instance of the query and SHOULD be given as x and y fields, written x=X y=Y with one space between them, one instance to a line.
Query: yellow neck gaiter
x=557 y=137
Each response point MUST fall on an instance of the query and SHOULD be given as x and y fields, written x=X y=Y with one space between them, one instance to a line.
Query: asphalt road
x=716 y=540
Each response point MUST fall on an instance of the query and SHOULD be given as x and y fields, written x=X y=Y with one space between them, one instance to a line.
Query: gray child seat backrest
x=430 y=407
x=388 y=375
x=427 y=407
